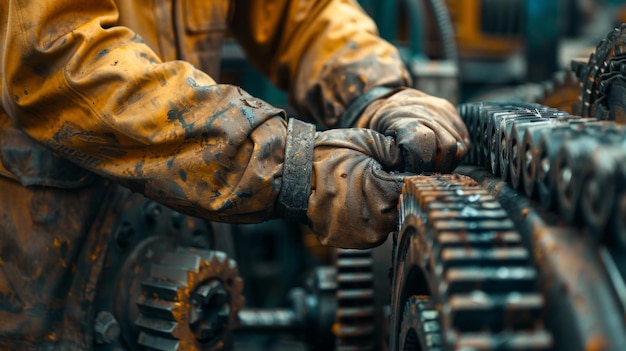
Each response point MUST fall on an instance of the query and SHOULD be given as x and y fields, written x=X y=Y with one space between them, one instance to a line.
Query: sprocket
x=190 y=301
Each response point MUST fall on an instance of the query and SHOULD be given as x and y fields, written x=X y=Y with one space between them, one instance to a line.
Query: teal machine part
x=542 y=32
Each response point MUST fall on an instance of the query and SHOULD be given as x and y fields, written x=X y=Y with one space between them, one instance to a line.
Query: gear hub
x=190 y=301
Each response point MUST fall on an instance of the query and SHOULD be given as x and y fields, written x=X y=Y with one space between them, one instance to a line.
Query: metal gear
x=189 y=301
x=603 y=80
x=458 y=246
x=355 y=318
x=420 y=329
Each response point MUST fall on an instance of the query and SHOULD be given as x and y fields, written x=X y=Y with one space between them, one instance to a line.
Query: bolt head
x=106 y=328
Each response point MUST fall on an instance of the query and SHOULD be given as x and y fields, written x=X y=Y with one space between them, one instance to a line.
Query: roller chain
x=572 y=171
x=557 y=158
x=458 y=246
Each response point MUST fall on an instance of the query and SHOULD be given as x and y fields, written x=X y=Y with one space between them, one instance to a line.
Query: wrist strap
x=356 y=108
x=293 y=199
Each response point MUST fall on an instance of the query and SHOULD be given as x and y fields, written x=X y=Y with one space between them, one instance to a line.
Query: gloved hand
x=427 y=129
x=353 y=195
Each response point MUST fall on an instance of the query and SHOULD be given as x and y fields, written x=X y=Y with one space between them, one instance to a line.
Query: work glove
x=341 y=182
x=427 y=129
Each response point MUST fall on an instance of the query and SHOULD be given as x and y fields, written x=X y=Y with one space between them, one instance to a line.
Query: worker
x=98 y=94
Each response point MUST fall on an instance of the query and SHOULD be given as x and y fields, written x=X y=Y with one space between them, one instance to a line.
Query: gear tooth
x=158 y=308
x=157 y=326
x=162 y=289
x=184 y=261
x=464 y=276
x=170 y=274
x=204 y=253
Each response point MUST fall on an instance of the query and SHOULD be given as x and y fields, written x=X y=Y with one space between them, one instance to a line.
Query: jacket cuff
x=356 y=108
x=293 y=199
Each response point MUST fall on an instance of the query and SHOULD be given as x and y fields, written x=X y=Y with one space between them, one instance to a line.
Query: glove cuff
x=356 y=108
x=293 y=199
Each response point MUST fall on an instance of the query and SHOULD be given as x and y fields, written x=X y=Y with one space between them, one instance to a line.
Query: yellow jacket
x=121 y=89
x=124 y=90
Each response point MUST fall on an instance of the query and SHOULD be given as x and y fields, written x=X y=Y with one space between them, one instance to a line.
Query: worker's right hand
x=354 y=191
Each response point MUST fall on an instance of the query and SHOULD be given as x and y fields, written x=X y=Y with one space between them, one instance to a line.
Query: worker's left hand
x=428 y=129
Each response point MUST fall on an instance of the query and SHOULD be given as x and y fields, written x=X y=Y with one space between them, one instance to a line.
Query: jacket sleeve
x=325 y=52
x=95 y=93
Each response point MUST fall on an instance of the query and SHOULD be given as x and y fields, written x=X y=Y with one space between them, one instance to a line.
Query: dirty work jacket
x=125 y=90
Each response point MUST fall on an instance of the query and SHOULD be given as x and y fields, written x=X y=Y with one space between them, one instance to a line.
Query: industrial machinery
x=521 y=248
x=525 y=250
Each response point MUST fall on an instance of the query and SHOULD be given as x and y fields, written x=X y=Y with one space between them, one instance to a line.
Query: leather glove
x=427 y=129
x=353 y=193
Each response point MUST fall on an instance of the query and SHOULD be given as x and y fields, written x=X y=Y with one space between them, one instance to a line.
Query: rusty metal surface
x=566 y=198
x=557 y=157
x=141 y=233
x=458 y=246
x=420 y=327
x=583 y=310
x=190 y=301
x=602 y=78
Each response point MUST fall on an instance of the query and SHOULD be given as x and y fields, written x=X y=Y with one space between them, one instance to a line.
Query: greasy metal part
x=577 y=163
x=142 y=233
x=555 y=157
x=457 y=246
x=547 y=149
x=533 y=157
x=618 y=212
x=582 y=310
x=599 y=176
x=354 y=326
x=190 y=301
x=310 y=316
x=569 y=162
x=106 y=328
x=602 y=78
x=421 y=326
x=268 y=320
x=504 y=143
x=520 y=159
x=322 y=307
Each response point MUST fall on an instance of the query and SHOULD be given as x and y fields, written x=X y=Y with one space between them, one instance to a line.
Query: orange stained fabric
x=121 y=89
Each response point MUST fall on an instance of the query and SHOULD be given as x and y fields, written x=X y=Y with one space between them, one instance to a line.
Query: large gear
x=457 y=245
x=189 y=301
